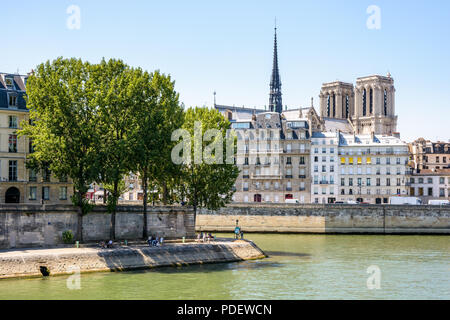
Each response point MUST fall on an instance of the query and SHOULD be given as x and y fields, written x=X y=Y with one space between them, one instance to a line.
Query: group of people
x=105 y=245
x=205 y=237
x=155 y=241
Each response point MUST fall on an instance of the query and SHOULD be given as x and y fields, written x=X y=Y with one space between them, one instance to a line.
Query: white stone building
x=324 y=165
x=372 y=168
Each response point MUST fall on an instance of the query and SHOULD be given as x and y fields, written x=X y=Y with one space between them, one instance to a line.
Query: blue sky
x=226 y=46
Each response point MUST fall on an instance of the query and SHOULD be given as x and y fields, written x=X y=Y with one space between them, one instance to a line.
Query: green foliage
x=208 y=185
x=67 y=237
x=85 y=205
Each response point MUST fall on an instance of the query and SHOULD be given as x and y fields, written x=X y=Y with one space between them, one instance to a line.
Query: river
x=299 y=267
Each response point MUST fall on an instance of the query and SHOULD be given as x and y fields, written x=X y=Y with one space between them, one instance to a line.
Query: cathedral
x=304 y=156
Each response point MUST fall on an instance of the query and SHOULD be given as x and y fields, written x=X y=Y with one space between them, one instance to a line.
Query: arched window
x=364 y=102
x=334 y=105
x=347 y=107
x=328 y=105
x=371 y=101
x=385 y=102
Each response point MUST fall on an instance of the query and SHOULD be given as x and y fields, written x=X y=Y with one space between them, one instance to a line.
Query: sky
x=227 y=46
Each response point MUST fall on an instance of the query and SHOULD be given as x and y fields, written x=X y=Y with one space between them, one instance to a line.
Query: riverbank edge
x=67 y=261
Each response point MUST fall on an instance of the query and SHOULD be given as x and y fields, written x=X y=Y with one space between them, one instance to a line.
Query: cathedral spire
x=275 y=103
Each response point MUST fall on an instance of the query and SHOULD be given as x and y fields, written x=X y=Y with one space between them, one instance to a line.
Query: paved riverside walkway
x=28 y=262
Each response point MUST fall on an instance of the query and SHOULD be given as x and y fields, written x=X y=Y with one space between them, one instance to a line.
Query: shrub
x=67 y=236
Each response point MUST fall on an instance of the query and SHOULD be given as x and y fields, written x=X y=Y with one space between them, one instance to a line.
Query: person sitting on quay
x=110 y=244
x=150 y=241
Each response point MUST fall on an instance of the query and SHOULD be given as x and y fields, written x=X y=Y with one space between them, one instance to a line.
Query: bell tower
x=375 y=105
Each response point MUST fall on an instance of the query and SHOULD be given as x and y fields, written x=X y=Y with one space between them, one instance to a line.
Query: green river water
x=299 y=267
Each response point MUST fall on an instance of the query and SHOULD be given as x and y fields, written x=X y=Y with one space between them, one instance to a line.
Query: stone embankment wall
x=35 y=225
x=28 y=263
x=338 y=218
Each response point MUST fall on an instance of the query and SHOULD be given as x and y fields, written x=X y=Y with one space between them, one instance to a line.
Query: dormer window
x=12 y=100
x=9 y=83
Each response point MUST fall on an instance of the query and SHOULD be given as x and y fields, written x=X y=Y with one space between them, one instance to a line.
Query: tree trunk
x=145 y=186
x=113 y=213
x=80 y=218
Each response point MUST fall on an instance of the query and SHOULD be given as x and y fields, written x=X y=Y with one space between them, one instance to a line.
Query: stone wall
x=36 y=225
x=312 y=218
x=65 y=261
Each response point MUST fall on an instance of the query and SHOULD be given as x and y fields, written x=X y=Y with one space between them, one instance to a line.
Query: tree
x=207 y=177
x=63 y=125
x=117 y=94
x=158 y=114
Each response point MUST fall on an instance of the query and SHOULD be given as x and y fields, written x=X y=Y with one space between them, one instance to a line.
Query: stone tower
x=375 y=105
x=337 y=100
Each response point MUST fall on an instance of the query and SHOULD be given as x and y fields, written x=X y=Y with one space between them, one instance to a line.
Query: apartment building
x=18 y=184
x=372 y=168
x=430 y=184
x=324 y=166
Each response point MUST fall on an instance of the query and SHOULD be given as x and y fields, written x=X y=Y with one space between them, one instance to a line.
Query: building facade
x=18 y=184
x=430 y=184
x=429 y=155
x=372 y=168
x=324 y=152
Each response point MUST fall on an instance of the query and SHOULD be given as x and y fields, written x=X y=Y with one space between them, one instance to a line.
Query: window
x=289 y=160
x=371 y=101
x=350 y=182
x=12 y=170
x=324 y=168
x=245 y=186
x=324 y=159
x=369 y=160
x=378 y=182
x=350 y=161
x=324 y=150
x=32 y=176
x=385 y=102
x=316 y=168
x=46 y=173
x=368 y=182
x=13 y=122
x=30 y=146
x=12 y=144
x=441 y=192
x=388 y=182
x=302 y=160
x=12 y=100
x=331 y=150
x=342 y=182
x=63 y=193
x=331 y=168
x=9 y=83
x=342 y=160
x=441 y=180
x=364 y=102
x=46 y=193
x=32 y=194
x=388 y=160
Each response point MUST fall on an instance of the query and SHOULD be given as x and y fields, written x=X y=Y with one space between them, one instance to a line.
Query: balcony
x=266 y=176
x=288 y=176
x=302 y=176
